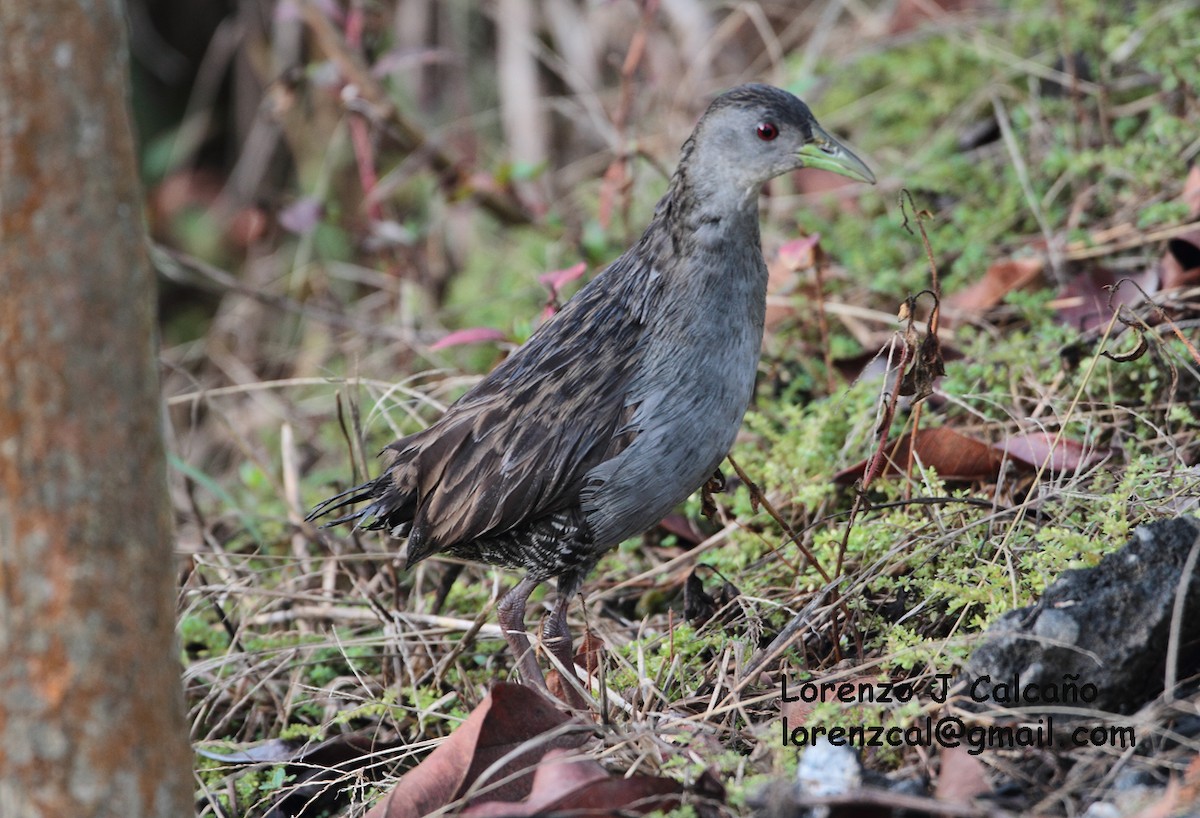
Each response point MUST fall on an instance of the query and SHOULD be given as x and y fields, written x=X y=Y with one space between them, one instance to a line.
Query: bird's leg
x=556 y=635
x=511 y=613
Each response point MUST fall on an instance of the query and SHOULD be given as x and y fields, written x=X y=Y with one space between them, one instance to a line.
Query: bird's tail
x=349 y=497
x=392 y=504
x=392 y=495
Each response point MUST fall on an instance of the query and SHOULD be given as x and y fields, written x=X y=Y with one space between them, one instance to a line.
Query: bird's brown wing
x=517 y=446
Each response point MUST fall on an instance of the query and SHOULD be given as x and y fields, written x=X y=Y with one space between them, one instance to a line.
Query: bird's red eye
x=767 y=131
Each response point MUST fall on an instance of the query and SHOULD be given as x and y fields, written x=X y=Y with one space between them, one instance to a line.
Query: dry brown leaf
x=1164 y=807
x=956 y=457
x=563 y=784
x=590 y=653
x=698 y=605
x=784 y=277
x=312 y=768
x=1088 y=300
x=1002 y=278
x=685 y=529
x=1181 y=263
x=1191 y=191
x=961 y=777
x=510 y=716
x=471 y=335
x=1064 y=455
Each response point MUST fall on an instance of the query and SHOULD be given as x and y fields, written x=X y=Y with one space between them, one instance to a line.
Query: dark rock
x=1106 y=628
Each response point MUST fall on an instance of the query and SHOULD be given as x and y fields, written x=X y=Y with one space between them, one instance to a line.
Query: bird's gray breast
x=694 y=380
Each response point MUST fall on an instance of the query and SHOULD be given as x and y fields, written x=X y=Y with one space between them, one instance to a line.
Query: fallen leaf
x=1181 y=263
x=556 y=776
x=698 y=605
x=815 y=180
x=183 y=190
x=927 y=366
x=1001 y=278
x=1088 y=300
x=1064 y=455
x=708 y=505
x=589 y=656
x=247 y=225
x=590 y=653
x=1191 y=191
x=509 y=717
x=956 y=457
x=562 y=784
x=785 y=278
x=961 y=776
x=310 y=769
x=684 y=529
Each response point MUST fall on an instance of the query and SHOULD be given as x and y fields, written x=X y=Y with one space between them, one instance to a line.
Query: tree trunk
x=91 y=710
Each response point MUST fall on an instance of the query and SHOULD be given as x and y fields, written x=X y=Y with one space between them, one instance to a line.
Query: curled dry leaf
x=1191 y=191
x=1180 y=267
x=581 y=786
x=247 y=225
x=910 y=14
x=685 y=529
x=590 y=653
x=511 y=717
x=554 y=282
x=708 y=505
x=961 y=459
x=928 y=365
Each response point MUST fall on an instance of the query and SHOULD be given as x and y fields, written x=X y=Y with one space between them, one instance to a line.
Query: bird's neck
x=709 y=211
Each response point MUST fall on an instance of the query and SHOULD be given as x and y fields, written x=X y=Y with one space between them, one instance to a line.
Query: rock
x=1105 y=627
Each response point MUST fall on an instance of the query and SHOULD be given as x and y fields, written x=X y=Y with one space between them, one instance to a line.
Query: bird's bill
x=826 y=153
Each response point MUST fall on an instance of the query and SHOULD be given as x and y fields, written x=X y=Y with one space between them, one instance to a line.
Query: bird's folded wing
x=517 y=447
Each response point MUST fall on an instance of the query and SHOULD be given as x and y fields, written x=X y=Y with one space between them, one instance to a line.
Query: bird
x=626 y=400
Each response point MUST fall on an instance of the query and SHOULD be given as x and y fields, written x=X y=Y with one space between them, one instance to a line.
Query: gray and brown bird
x=626 y=400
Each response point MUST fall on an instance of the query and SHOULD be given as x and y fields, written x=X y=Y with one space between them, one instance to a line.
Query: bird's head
x=754 y=133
